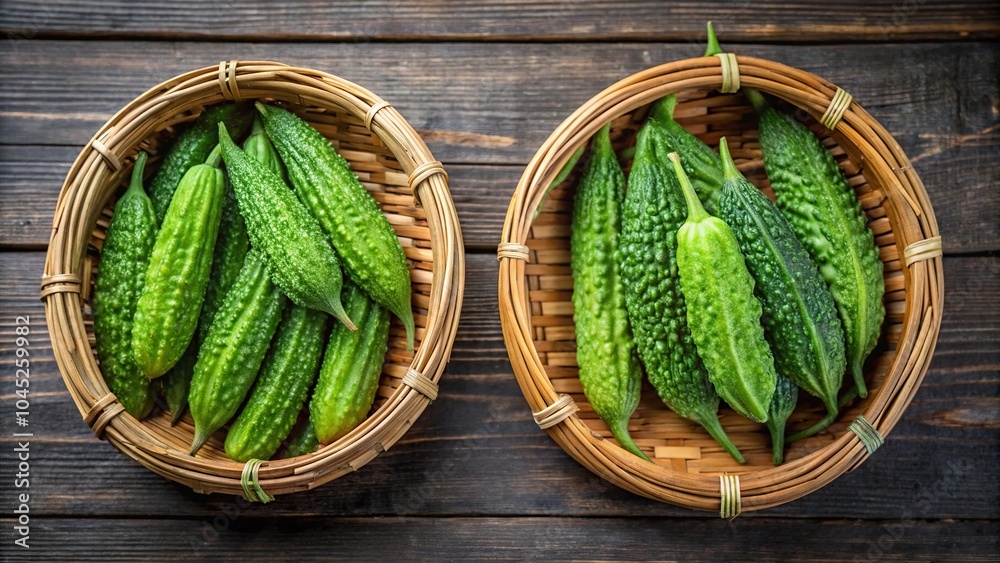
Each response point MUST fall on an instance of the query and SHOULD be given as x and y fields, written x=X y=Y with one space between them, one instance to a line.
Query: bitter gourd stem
x=200 y=437
x=214 y=157
x=620 y=430
x=778 y=442
x=135 y=183
x=728 y=166
x=258 y=126
x=696 y=212
x=846 y=397
x=713 y=43
x=714 y=427
x=756 y=99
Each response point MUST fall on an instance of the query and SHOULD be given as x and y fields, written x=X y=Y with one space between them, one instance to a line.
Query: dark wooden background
x=485 y=82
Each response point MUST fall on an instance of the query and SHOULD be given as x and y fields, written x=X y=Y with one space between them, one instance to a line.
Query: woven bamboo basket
x=395 y=166
x=688 y=467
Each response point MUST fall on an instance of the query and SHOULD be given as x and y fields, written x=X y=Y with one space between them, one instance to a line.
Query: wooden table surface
x=485 y=82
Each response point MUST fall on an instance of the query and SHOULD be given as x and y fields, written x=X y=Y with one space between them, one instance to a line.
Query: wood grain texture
x=476 y=451
x=493 y=20
x=485 y=121
x=956 y=182
x=238 y=534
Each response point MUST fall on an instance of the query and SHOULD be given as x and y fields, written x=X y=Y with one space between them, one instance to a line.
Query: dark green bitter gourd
x=121 y=275
x=352 y=366
x=192 y=147
x=605 y=350
x=654 y=209
x=288 y=372
x=234 y=348
x=722 y=312
x=363 y=237
x=166 y=316
x=815 y=197
x=177 y=382
x=291 y=242
x=799 y=314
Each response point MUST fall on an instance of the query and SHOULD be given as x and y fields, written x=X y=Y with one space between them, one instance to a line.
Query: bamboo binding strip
x=536 y=308
x=391 y=160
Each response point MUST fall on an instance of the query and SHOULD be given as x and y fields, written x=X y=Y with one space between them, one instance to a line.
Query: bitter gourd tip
x=200 y=437
x=137 y=170
x=711 y=423
x=258 y=126
x=663 y=109
x=728 y=166
x=756 y=99
x=215 y=157
x=619 y=428
x=176 y=417
x=822 y=424
x=777 y=444
x=336 y=308
x=859 y=379
x=261 y=107
x=713 y=43
x=696 y=212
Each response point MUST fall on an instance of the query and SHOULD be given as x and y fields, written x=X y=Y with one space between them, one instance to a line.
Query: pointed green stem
x=713 y=43
x=663 y=109
x=695 y=210
x=215 y=157
x=258 y=126
x=728 y=166
x=714 y=428
x=619 y=428
x=200 y=437
x=756 y=99
x=137 y=171
x=859 y=379
x=777 y=442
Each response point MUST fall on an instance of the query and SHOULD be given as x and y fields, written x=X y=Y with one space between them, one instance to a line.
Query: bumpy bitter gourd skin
x=234 y=348
x=166 y=316
x=192 y=147
x=288 y=371
x=291 y=242
x=176 y=383
x=363 y=237
x=352 y=366
x=723 y=314
x=799 y=315
x=654 y=209
x=813 y=194
x=121 y=275
x=605 y=351
x=702 y=164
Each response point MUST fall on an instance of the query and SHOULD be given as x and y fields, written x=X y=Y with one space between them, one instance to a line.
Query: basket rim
x=912 y=220
x=100 y=164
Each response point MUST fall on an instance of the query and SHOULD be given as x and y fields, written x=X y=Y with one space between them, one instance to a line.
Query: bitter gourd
x=799 y=315
x=352 y=366
x=234 y=348
x=166 y=316
x=288 y=371
x=192 y=147
x=176 y=383
x=723 y=314
x=815 y=197
x=303 y=439
x=121 y=275
x=324 y=182
x=291 y=242
x=653 y=210
x=605 y=350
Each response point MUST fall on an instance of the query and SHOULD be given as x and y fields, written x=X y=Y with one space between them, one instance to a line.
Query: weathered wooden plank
x=477 y=451
x=237 y=533
x=492 y=20
x=497 y=103
x=959 y=174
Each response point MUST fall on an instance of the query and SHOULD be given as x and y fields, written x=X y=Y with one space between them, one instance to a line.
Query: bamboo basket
x=395 y=166
x=689 y=468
